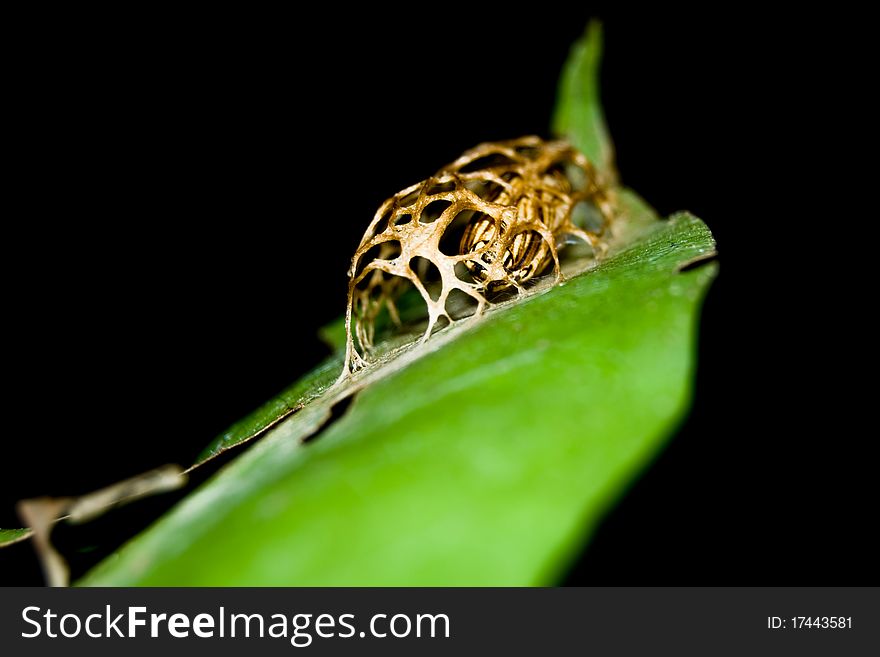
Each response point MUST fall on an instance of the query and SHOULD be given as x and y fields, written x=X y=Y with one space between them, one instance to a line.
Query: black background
x=184 y=194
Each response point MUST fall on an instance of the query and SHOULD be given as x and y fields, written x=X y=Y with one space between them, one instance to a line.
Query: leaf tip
x=578 y=114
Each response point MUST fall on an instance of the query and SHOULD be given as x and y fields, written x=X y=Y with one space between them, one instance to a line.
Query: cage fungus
x=491 y=221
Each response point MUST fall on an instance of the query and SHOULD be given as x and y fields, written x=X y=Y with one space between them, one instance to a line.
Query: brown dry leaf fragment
x=41 y=513
x=90 y=506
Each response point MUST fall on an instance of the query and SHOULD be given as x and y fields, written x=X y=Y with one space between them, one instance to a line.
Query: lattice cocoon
x=490 y=221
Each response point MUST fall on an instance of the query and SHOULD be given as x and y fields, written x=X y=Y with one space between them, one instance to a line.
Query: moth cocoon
x=491 y=220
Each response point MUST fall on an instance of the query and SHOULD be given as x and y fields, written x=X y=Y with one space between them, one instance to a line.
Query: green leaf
x=483 y=462
x=485 y=456
x=578 y=116
x=10 y=536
